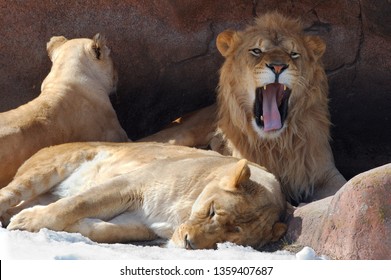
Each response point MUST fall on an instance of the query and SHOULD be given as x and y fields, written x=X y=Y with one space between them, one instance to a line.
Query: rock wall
x=168 y=63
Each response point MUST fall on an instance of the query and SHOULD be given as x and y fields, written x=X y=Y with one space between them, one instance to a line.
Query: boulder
x=353 y=224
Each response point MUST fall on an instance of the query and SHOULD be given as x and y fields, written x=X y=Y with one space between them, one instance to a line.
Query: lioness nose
x=277 y=68
x=188 y=244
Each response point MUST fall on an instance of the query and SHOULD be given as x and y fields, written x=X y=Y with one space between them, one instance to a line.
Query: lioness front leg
x=103 y=202
x=35 y=218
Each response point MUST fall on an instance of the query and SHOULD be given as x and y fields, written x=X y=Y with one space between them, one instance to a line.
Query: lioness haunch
x=125 y=192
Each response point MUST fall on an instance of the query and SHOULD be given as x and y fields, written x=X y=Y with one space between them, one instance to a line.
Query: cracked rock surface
x=168 y=63
x=355 y=223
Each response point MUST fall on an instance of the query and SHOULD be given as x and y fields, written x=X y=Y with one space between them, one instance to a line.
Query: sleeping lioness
x=113 y=192
x=73 y=105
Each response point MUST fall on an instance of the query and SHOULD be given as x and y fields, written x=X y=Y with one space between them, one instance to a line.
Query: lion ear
x=53 y=44
x=239 y=174
x=225 y=41
x=99 y=46
x=315 y=44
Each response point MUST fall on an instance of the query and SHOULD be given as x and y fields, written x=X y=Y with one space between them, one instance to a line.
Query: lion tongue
x=271 y=115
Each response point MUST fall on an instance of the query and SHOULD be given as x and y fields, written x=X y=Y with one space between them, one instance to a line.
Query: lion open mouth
x=271 y=106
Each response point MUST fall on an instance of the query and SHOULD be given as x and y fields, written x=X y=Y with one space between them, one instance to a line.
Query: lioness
x=272 y=107
x=73 y=105
x=113 y=192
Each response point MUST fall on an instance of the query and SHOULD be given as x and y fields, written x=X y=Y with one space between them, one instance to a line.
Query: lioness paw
x=31 y=219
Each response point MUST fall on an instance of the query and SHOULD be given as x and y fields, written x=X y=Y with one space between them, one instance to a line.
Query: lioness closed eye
x=74 y=104
x=141 y=191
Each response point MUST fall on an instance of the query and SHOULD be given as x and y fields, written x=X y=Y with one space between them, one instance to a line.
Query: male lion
x=273 y=105
x=73 y=105
x=112 y=192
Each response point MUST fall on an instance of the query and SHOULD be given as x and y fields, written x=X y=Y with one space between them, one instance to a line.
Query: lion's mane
x=300 y=156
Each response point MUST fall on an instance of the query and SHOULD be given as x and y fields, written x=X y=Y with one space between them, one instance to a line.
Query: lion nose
x=277 y=68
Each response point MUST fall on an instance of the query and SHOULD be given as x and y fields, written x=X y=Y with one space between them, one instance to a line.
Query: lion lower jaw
x=273 y=134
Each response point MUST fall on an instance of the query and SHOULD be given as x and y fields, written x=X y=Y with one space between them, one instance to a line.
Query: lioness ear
x=53 y=44
x=99 y=46
x=225 y=41
x=240 y=173
x=315 y=44
x=279 y=229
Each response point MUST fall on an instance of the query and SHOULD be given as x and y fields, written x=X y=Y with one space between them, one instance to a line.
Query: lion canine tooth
x=284 y=87
x=264 y=87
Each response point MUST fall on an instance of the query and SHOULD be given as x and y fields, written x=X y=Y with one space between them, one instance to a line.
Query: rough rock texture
x=168 y=63
x=353 y=224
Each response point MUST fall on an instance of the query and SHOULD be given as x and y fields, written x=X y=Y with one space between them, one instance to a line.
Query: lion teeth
x=264 y=87
x=284 y=87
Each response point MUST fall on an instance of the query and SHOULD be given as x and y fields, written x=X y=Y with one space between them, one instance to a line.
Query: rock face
x=353 y=224
x=168 y=63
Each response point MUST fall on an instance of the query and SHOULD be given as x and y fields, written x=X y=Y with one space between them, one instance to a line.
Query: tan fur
x=299 y=153
x=194 y=130
x=73 y=105
x=141 y=191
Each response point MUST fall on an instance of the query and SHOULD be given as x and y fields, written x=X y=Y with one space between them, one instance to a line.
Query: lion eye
x=212 y=211
x=255 y=51
x=294 y=55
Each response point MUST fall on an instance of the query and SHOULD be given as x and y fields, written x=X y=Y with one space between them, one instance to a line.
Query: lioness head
x=235 y=209
x=268 y=73
x=81 y=59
